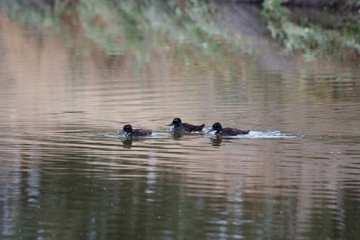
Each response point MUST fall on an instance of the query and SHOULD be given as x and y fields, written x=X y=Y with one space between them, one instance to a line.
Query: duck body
x=187 y=127
x=232 y=132
x=227 y=131
x=130 y=132
x=140 y=133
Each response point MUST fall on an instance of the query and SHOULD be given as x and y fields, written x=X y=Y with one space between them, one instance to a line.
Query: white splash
x=260 y=134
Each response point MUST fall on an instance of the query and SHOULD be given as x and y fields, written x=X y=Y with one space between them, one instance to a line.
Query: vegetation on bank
x=118 y=26
x=342 y=38
x=334 y=4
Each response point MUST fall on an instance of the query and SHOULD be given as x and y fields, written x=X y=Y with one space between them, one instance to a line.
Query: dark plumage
x=179 y=126
x=129 y=132
x=227 y=131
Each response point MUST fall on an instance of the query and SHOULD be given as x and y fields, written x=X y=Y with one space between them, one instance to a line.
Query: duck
x=130 y=132
x=187 y=127
x=220 y=131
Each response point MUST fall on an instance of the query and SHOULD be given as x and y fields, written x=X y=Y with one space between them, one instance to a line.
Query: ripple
x=153 y=136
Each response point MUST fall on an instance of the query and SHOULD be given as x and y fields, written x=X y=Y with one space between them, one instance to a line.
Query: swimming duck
x=179 y=126
x=129 y=132
x=226 y=131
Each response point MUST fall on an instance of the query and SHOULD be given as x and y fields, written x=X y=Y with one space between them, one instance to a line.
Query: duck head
x=216 y=127
x=127 y=129
x=175 y=122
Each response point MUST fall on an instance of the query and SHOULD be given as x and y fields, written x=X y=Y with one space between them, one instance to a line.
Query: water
x=65 y=174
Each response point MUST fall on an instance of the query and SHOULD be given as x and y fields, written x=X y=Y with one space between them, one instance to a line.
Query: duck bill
x=171 y=124
x=211 y=130
x=121 y=132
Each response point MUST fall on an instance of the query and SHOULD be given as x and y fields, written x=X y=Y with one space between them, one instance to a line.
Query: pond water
x=65 y=174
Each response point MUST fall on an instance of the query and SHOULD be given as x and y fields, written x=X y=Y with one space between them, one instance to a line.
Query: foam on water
x=160 y=135
x=260 y=134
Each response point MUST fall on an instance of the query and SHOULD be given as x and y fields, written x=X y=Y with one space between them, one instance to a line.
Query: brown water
x=66 y=175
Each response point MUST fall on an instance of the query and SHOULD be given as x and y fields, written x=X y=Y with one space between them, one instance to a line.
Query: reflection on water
x=65 y=174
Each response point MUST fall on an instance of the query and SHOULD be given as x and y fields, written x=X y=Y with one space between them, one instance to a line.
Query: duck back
x=141 y=132
x=233 y=132
x=192 y=128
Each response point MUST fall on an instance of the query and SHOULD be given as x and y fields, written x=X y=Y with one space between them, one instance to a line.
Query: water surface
x=65 y=174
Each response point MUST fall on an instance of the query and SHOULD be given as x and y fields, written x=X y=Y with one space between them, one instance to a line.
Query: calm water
x=65 y=176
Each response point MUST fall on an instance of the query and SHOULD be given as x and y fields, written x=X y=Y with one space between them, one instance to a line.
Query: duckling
x=187 y=127
x=130 y=132
x=226 y=131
